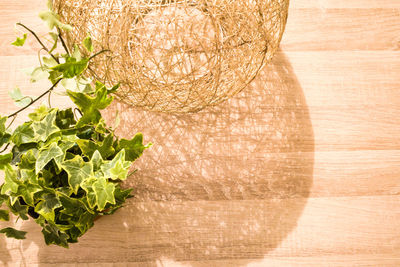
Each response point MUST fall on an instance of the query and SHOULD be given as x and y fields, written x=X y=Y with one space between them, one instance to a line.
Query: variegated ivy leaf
x=44 y=128
x=104 y=192
x=23 y=134
x=97 y=160
x=87 y=185
x=52 y=235
x=39 y=113
x=90 y=105
x=117 y=168
x=11 y=182
x=5 y=160
x=105 y=148
x=46 y=155
x=47 y=206
x=78 y=170
x=26 y=191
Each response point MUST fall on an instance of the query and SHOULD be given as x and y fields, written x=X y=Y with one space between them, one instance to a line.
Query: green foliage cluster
x=63 y=169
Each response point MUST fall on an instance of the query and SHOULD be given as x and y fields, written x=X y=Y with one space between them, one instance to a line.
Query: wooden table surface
x=300 y=169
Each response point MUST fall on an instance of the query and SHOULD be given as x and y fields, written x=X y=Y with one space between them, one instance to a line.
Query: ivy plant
x=63 y=167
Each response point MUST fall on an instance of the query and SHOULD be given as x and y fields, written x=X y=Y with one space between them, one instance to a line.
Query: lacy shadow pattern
x=227 y=183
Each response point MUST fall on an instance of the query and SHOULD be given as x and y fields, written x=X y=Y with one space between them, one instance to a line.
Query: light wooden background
x=300 y=169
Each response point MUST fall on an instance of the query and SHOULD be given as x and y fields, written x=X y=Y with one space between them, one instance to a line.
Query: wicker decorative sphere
x=177 y=55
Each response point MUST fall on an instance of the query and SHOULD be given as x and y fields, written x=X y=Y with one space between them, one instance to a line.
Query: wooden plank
x=342 y=29
x=248 y=231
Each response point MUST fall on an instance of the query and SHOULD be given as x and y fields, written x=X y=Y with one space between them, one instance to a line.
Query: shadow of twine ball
x=177 y=55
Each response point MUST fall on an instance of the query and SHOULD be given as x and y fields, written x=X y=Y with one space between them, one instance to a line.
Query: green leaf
x=117 y=168
x=87 y=43
x=3 y=121
x=5 y=160
x=23 y=134
x=20 y=41
x=78 y=170
x=134 y=147
x=46 y=155
x=96 y=160
x=47 y=205
x=49 y=61
x=20 y=210
x=26 y=191
x=38 y=74
x=52 y=235
x=11 y=182
x=90 y=106
x=46 y=126
x=19 y=99
x=4 y=215
x=52 y=20
x=54 y=36
x=71 y=68
x=105 y=148
x=65 y=118
x=39 y=113
x=104 y=192
x=13 y=233
x=90 y=194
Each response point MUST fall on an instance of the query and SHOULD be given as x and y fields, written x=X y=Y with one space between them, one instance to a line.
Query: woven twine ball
x=177 y=55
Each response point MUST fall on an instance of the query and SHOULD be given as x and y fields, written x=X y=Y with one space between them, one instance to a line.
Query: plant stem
x=39 y=41
x=62 y=41
x=36 y=99
x=98 y=53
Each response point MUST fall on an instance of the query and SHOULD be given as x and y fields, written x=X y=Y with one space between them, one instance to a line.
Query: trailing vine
x=63 y=167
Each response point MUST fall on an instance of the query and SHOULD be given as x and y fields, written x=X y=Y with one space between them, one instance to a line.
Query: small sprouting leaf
x=87 y=43
x=46 y=155
x=76 y=53
x=52 y=235
x=78 y=170
x=117 y=168
x=47 y=206
x=45 y=127
x=49 y=61
x=4 y=215
x=20 y=41
x=19 y=99
x=71 y=68
x=54 y=36
x=11 y=232
x=5 y=160
x=23 y=134
x=134 y=147
x=38 y=74
x=52 y=20
x=104 y=192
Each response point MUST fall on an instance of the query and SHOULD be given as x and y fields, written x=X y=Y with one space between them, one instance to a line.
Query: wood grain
x=299 y=169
